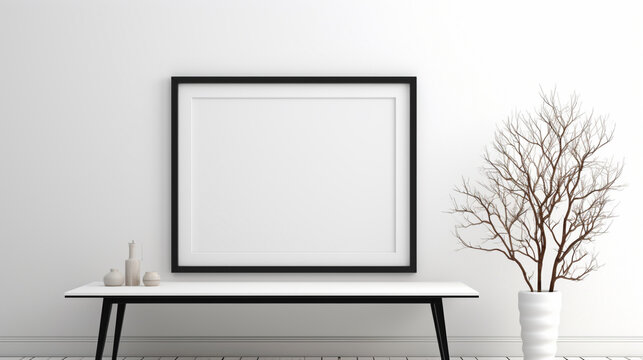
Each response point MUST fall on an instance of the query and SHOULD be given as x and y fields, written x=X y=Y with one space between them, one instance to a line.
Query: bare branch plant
x=545 y=193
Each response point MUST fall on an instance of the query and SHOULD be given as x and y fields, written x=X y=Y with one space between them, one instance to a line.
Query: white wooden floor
x=315 y=358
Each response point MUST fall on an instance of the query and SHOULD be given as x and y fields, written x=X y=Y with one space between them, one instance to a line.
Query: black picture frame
x=177 y=81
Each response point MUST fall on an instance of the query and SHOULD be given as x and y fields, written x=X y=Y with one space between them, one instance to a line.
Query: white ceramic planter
x=539 y=320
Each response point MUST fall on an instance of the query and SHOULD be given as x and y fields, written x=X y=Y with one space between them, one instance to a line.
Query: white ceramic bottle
x=133 y=266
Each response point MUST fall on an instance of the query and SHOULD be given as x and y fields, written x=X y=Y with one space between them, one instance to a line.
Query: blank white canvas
x=292 y=175
x=289 y=175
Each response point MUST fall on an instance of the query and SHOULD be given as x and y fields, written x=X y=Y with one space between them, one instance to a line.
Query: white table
x=272 y=293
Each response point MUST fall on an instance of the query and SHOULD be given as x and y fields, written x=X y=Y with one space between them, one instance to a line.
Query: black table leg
x=440 y=328
x=102 y=329
x=120 y=313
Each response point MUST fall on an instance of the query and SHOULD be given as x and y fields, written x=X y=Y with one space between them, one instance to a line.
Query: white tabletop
x=284 y=288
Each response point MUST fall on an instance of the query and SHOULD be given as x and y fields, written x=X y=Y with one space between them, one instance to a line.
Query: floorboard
x=316 y=358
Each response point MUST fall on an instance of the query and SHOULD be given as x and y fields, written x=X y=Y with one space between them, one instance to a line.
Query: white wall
x=84 y=161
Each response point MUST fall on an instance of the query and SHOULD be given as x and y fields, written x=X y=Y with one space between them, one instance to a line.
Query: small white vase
x=539 y=320
x=151 y=278
x=113 y=278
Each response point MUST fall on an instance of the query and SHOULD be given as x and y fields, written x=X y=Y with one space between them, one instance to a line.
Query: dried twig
x=545 y=192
